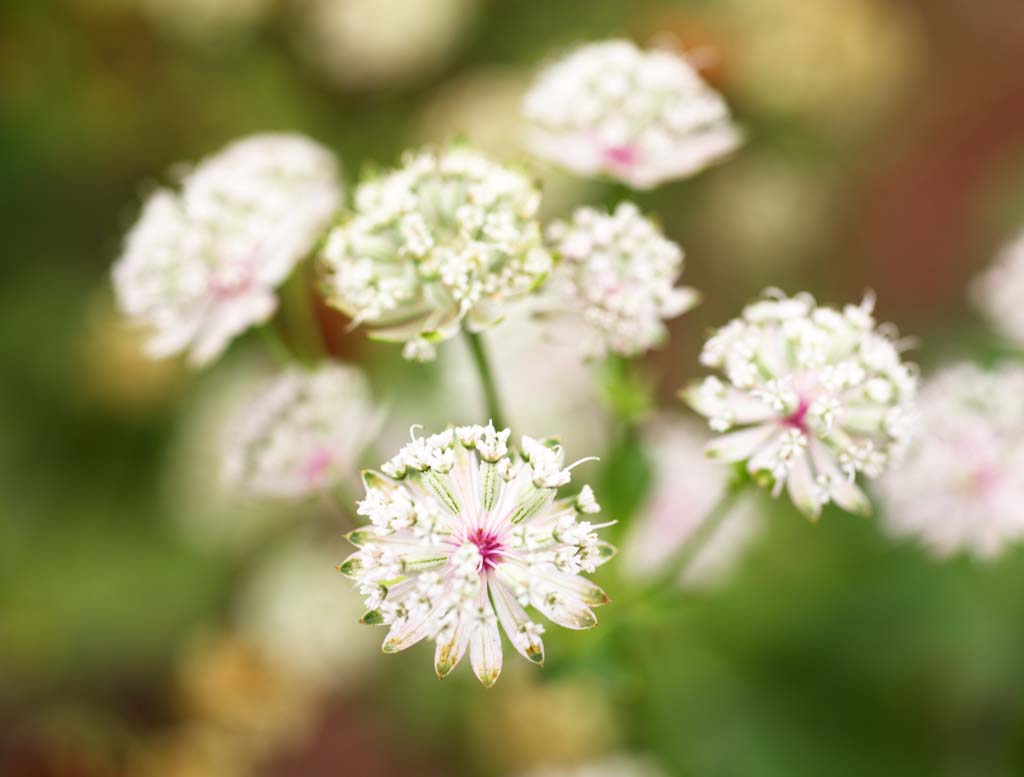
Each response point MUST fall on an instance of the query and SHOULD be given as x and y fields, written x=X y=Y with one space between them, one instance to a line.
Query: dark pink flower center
x=621 y=156
x=488 y=544
x=317 y=464
x=798 y=418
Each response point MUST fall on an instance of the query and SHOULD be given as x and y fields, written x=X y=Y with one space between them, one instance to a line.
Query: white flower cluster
x=617 y=272
x=999 y=291
x=302 y=434
x=818 y=396
x=962 y=485
x=201 y=265
x=463 y=536
x=642 y=117
x=447 y=237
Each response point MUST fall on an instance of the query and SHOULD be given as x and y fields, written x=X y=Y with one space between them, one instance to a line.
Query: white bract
x=302 y=433
x=811 y=398
x=642 y=117
x=962 y=485
x=464 y=535
x=686 y=486
x=448 y=237
x=1000 y=290
x=201 y=265
x=617 y=273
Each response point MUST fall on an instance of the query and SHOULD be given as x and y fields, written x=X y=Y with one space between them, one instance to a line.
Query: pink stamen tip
x=798 y=419
x=489 y=545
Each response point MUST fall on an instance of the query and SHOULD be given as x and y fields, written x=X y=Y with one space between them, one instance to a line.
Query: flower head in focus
x=302 y=434
x=465 y=535
x=201 y=265
x=448 y=237
x=962 y=483
x=617 y=272
x=642 y=117
x=999 y=291
x=811 y=398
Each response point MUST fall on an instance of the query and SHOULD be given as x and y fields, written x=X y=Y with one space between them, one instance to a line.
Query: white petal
x=802 y=488
x=485 y=648
x=512 y=616
x=448 y=653
x=741 y=445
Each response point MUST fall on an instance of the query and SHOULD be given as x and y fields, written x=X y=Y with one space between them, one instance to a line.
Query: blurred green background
x=886 y=150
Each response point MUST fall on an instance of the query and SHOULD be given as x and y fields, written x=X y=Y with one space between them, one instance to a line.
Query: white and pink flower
x=202 y=264
x=962 y=485
x=641 y=117
x=301 y=434
x=616 y=274
x=464 y=535
x=812 y=398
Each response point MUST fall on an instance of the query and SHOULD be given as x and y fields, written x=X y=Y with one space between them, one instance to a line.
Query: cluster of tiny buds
x=436 y=453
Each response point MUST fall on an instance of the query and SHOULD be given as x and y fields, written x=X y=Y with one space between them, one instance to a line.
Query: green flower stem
x=299 y=316
x=275 y=344
x=487 y=384
x=674 y=566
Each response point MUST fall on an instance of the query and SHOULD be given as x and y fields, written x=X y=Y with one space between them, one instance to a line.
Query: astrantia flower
x=447 y=237
x=464 y=535
x=302 y=434
x=642 y=117
x=962 y=485
x=815 y=396
x=201 y=265
x=1000 y=290
x=617 y=272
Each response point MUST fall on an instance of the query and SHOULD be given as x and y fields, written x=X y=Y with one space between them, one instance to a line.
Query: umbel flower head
x=811 y=397
x=617 y=272
x=642 y=117
x=201 y=264
x=464 y=535
x=447 y=237
x=302 y=433
x=999 y=291
x=961 y=486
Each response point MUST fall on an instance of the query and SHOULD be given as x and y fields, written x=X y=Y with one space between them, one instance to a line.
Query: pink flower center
x=621 y=156
x=489 y=545
x=985 y=479
x=233 y=283
x=317 y=464
x=798 y=418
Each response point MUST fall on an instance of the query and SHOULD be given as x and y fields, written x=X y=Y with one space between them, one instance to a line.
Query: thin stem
x=487 y=384
x=684 y=555
x=299 y=315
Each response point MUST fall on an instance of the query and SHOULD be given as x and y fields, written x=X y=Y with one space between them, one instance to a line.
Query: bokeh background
x=152 y=625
